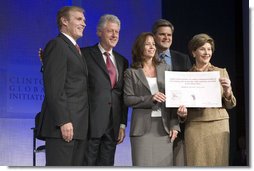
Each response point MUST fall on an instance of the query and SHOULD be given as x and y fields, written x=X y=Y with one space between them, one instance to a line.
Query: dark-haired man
x=163 y=31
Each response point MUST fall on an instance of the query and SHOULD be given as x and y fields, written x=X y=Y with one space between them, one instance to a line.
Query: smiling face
x=74 y=25
x=149 y=48
x=163 y=38
x=203 y=55
x=201 y=47
x=109 y=35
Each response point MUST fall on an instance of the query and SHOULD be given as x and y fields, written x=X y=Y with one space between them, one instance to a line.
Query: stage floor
x=16 y=143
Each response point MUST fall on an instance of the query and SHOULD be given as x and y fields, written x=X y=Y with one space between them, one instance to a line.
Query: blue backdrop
x=27 y=25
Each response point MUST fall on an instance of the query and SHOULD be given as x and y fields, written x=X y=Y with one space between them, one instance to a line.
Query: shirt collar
x=103 y=50
x=70 y=38
x=167 y=53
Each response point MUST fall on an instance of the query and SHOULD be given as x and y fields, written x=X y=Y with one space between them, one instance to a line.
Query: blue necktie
x=166 y=59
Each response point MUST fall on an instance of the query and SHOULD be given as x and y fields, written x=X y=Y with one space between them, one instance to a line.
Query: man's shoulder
x=177 y=53
x=120 y=56
x=54 y=43
x=53 y=40
x=90 y=48
x=57 y=40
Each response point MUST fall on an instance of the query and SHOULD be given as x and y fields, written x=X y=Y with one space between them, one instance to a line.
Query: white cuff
x=122 y=126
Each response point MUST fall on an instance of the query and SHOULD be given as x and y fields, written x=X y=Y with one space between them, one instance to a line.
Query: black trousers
x=62 y=153
x=101 y=151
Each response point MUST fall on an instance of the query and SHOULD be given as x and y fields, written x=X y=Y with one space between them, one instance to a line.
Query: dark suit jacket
x=65 y=83
x=180 y=61
x=137 y=95
x=102 y=98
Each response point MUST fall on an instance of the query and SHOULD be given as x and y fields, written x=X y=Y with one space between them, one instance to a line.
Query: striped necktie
x=78 y=48
x=111 y=69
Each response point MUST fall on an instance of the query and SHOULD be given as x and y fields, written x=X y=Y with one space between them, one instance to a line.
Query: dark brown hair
x=162 y=23
x=138 y=51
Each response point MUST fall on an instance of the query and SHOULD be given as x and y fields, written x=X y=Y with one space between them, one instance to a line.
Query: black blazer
x=65 y=83
x=180 y=61
x=102 y=98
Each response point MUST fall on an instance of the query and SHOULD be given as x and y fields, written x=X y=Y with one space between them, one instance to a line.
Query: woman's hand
x=226 y=84
x=159 y=97
x=173 y=135
x=182 y=111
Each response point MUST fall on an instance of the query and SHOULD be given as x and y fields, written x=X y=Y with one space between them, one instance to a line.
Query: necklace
x=149 y=72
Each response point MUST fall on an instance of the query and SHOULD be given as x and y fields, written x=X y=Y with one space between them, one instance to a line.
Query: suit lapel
x=141 y=76
x=98 y=58
x=73 y=49
x=160 y=69
x=174 y=60
x=119 y=67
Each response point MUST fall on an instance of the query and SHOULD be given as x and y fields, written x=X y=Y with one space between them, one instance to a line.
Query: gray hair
x=107 y=18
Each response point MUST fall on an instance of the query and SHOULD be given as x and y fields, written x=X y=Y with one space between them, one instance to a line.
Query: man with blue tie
x=163 y=31
x=166 y=57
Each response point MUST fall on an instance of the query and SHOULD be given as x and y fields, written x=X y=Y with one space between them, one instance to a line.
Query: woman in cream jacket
x=207 y=129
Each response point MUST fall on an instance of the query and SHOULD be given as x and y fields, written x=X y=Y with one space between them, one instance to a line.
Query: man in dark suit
x=64 y=116
x=163 y=31
x=108 y=114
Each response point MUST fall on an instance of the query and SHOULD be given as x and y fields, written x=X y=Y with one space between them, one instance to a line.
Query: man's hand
x=67 y=131
x=121 y=136
x=40 y=54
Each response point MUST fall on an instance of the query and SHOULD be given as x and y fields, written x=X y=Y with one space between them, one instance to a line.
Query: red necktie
x=111 y=69
x=77 y=46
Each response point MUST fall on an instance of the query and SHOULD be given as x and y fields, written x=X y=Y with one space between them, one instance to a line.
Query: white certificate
x=192 y=89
